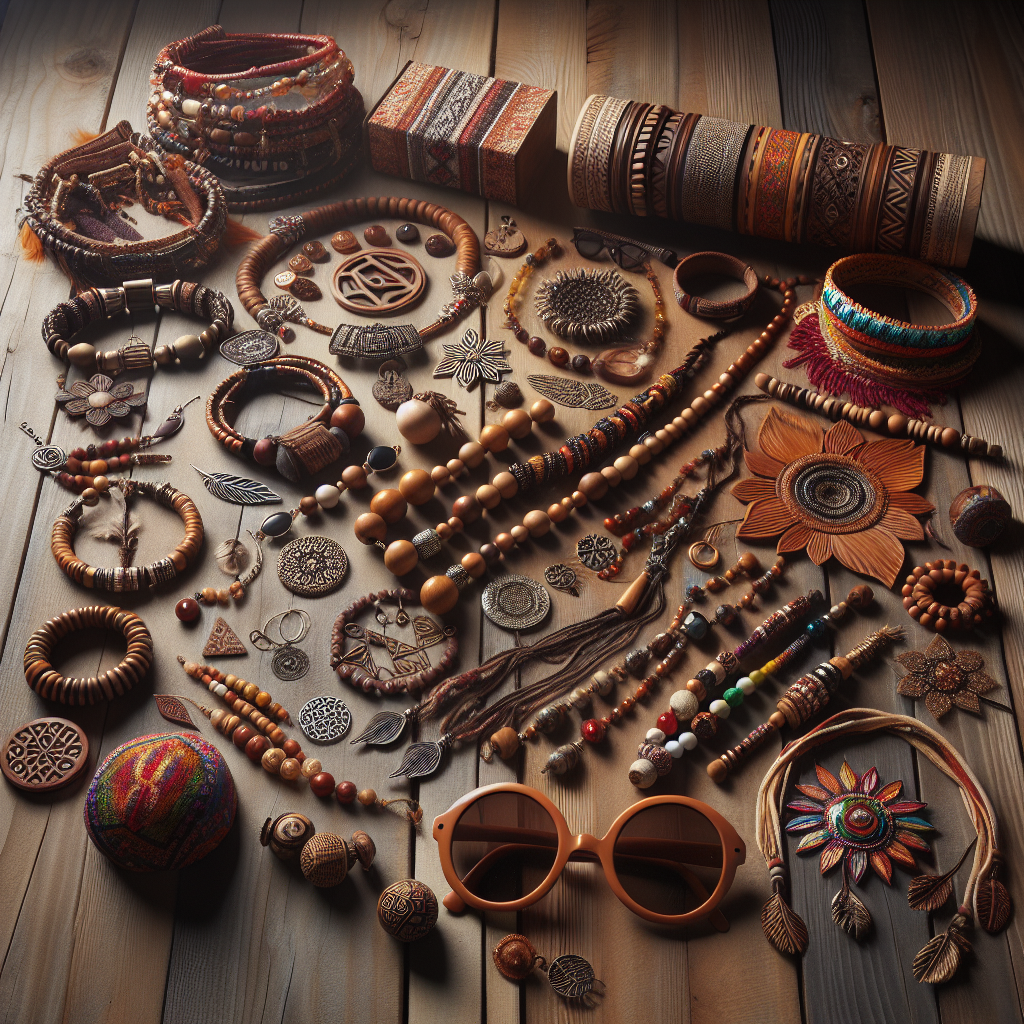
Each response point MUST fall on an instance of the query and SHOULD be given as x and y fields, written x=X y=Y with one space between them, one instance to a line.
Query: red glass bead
x=322 y=784
x=187 y=610
x=667 y=723
x=290 y=747
x=536 y=346
x=593 y=730
x=256 y=746
x=522 y=334
x=345 y=793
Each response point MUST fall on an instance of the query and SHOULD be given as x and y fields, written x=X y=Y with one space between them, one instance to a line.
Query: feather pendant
x=929 y=892
x=782 y=926
x=849 y=912
x=573 y=394
x=421 y=759
x=993 y=904
x=232 y=556
x=940 y=957
x=238 y=490
x=174 y=710
x=122 y=529
x=385 y=727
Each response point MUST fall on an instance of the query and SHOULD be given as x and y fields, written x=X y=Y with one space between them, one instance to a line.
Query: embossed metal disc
x=596 y=551
x=249 y=348
x=325 y=719
x=45 y=754
x=289 y=663
x=311 y=566
x=515 y=602
x=49 y=457
x=571 y=976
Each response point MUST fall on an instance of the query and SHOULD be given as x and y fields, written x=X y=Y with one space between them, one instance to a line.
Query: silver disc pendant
x=325 y=719
x=571 y=976
x=515 y=602
x=249 y=348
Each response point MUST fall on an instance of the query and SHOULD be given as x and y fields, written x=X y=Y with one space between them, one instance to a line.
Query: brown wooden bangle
x=286 y=231
x=922 y=593
x=131 y=578
x=42 y=677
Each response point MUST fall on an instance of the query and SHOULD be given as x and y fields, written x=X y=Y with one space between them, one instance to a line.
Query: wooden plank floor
x=240 y=937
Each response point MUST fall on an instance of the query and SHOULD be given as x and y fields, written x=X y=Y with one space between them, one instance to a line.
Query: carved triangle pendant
x=223 y=642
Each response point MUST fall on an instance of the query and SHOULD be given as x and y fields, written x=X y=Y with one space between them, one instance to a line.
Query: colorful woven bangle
x=714 y=263
x=86 y=185
x=900 y=272
x=42 y=677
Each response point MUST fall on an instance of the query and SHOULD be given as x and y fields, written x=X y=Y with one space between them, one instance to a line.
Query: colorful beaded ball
x=160 y=802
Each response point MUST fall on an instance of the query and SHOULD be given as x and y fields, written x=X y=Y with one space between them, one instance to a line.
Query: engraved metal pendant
x=376 y=341
x=249 y=348
x=385 y=727
x=325 y=719
x=421 y=759
x=311 y=566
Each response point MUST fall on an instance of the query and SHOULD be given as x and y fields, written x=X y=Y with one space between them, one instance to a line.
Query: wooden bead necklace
x=50 y=684
x=897 y=424
x=378 y=340
x=670 y=646
x=924 y=587
x=681 y=726
x=69 y=318
x=411 y=669
x=126 y=577
x=307 y=448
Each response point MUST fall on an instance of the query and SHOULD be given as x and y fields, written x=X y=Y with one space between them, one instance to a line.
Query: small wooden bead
x=542 y=411
x=505 y=542
x=309 y=767
x=612 y=476
x=558 y=513
x=466 y=508
x=488 y=496
x=594 y=486
x=367 y=797
x=506 y=742
x=354 y=477
x=472 y=453
x=401 y=557
x=440 y=475
x=370 y=527
x=518 y=423
x=474 y=564
x=456 y=467
x=272 y=759
x=439 y=595
x=506 y=484
x=520 y=534
x=627 y=466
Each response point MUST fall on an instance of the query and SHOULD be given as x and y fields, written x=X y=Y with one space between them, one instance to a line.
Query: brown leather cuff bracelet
x=714 y=263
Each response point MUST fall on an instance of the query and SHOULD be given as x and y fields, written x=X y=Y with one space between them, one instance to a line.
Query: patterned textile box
x=481 y=135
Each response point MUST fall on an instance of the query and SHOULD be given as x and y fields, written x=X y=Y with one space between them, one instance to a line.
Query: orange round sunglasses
x=669 y=859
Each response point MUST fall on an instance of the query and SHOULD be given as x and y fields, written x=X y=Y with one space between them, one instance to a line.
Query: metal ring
x=708 y=563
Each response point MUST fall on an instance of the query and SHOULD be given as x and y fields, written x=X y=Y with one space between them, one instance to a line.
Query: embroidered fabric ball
x=160 y=802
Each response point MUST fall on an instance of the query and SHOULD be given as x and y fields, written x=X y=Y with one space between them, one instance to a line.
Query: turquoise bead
x=733 y=697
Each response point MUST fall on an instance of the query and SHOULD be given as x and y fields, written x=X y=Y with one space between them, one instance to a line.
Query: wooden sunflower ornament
x=833 y=494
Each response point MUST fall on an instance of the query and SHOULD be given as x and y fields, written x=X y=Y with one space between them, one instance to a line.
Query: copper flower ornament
x=99 y=399
x=833 y=494
x=945 y=678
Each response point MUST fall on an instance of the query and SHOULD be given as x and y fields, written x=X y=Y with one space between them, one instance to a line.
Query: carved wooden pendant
x=45 y=754
x=173 y=709
x=378 y=281
x=223 y=642
x=506 y=240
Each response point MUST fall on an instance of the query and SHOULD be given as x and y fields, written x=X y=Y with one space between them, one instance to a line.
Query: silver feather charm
x=421 y=759
x=385 y=727
x=238 y=490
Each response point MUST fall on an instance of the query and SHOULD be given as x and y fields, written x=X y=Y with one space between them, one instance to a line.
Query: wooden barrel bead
x=324 y=860
x=287 y=835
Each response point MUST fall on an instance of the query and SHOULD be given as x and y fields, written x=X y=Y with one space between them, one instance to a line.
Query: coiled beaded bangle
x=66 y=320
x=131 y=578
x=42 y=677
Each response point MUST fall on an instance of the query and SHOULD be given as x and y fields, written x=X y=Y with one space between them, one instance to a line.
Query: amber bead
x=536 y=346
x=376 y=234
x=558 y=356
x=367 y=797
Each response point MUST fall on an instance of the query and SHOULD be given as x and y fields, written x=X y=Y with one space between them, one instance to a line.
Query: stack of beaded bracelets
x=89 y=183
x=286 y=231
x=42 y=677
x=131 y=578
x=212 y=102
x=309 y=447
x=64 y=321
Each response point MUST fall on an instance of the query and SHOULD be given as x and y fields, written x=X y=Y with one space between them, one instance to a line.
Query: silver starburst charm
x=473 y=359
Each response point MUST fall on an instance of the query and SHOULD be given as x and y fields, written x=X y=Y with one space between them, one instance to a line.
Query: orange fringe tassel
x=80 y=136
x=30 y=244
x=237 y=233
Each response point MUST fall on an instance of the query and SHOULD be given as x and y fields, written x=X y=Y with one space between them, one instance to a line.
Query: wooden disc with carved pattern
x=378 y=282
x=44 y=755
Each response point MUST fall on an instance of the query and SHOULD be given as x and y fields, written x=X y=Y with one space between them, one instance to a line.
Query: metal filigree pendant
x=289 y=663
x=515 y=602
x=562 y=578
x=249 y=348
x=311 y=566
x=472 y=360
x=325 y=719
x=596 y=551
x=421 y=759
x=376 y=341
x=573 y=394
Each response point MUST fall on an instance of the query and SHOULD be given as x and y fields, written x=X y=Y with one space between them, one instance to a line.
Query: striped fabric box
x=480 y=135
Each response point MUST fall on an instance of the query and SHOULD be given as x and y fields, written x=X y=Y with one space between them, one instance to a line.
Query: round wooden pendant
x=46 y=754
x=506 y=241
x=311 y=566
x=407 y=910
x=378 y=282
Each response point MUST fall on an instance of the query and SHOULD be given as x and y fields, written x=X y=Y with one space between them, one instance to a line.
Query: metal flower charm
x=852 y=817
x=945 y=677
x=473 y=359
x=833 y=494
x=99 y=399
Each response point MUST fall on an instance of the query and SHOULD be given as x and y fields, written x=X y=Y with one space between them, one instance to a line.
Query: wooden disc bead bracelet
x=923 y=591
x=307 y=448
x=42 y=677
x=67 y=319
x=130 y=578
x=286 y=231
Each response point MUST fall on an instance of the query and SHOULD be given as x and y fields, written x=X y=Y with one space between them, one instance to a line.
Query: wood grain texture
x=242 y=936
x=947 y=76
x=826 y=77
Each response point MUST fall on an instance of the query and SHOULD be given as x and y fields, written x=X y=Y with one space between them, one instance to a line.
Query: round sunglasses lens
x=588 y=245
x=504 y=846
x=631 y=257
x=669 y=858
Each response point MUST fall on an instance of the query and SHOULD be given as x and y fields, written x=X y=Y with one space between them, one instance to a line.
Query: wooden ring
x=707 y=564
x=42 y=677
x=921 y=604
x=378 y=282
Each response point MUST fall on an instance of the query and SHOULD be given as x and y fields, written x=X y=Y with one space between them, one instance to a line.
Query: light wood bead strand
x=896 y=424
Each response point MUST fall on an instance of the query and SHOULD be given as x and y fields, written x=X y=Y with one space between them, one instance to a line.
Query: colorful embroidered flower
x=99 y=399
x=945 y=677
x=833 y=494
x=473 y=359
x=852 y=817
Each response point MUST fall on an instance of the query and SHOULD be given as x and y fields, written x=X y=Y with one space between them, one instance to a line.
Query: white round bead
x=675 y=748
x=642 y=773
x=746 y=684
x=327 y=495
x=219 y=689
x=719 y=708
x=604 y=682
x=684 y=705
x=655 y=736
x=687 y=740
x=718 y=670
